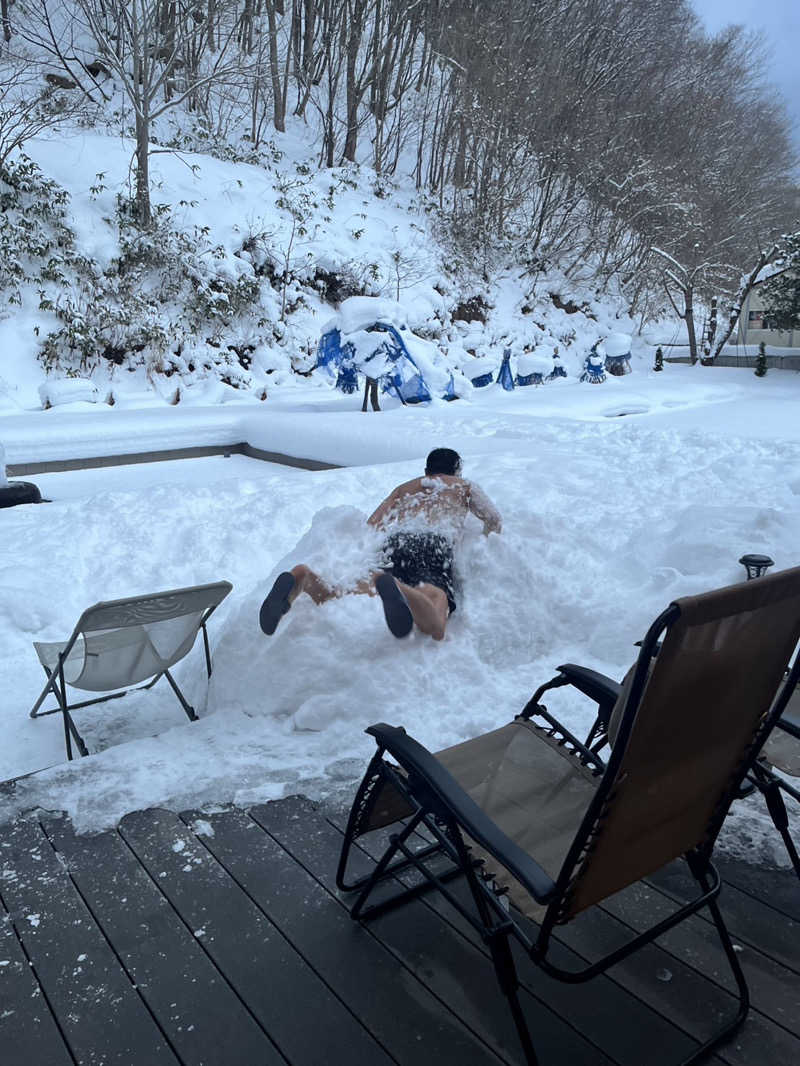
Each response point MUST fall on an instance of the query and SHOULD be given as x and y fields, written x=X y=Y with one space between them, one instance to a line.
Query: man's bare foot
x=277 y=602
x=395 y=606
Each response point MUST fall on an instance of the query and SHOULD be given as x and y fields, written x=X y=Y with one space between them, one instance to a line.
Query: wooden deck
x=219 y=939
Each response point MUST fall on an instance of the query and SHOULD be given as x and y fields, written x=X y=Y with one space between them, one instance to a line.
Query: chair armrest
x=428 y=777
x=593 y=684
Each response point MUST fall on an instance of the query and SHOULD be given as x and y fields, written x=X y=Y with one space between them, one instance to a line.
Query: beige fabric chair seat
x=782 y=750
x=512 y=772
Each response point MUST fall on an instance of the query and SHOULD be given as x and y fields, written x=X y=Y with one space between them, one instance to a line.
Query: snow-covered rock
x=56 y=391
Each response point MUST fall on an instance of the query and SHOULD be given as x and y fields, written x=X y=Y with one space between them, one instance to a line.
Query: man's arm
x=483 y=508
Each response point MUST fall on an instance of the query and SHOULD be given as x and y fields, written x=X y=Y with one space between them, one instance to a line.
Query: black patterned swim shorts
x=417 y=558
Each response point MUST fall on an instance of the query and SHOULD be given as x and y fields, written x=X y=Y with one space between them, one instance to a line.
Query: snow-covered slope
x=252 y=261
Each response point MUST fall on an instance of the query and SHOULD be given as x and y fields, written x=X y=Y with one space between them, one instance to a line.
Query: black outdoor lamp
x=756 y=565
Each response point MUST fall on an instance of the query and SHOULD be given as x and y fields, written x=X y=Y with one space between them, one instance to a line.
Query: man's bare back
x=439 y=501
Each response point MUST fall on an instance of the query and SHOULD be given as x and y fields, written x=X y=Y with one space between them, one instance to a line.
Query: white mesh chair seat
x=120 y=643
x=116 y=658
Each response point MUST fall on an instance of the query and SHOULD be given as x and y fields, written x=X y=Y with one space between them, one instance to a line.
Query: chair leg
x=190 y=711
x=70 y=729
x=780 y=818
x=506 y=973
x=736 y=969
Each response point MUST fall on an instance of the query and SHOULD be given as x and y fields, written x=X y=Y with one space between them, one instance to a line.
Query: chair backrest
x=694 y=720
x=126 y=641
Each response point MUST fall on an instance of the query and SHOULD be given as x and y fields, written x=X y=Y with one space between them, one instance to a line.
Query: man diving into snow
x=423 y=520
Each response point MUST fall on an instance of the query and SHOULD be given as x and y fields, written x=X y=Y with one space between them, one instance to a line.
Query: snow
x=616 y=344
x=536 y=362
x=54 y=392
x=360 y=312
x=606 y=520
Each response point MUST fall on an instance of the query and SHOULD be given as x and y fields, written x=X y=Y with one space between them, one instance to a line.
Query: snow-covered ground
x=606 y=519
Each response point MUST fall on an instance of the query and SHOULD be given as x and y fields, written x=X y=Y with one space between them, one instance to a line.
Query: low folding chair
x=119 y=643
x=531 y=811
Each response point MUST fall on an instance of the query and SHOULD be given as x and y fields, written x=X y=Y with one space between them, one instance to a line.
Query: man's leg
x=285 y=590
x=407 y=605
x=429 y=608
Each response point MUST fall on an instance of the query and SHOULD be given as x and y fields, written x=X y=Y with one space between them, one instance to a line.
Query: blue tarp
x=505 y=377
x=412 y=388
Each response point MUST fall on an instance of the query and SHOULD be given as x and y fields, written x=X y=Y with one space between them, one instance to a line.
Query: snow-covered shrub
x=169 y=302
x=37 y=246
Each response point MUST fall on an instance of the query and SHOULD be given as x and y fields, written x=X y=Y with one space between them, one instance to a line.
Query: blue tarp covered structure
x=505 y=376
x=393 y=365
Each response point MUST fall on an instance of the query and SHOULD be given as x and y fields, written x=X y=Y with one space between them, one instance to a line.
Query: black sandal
x=277 y=603
x=395 y=606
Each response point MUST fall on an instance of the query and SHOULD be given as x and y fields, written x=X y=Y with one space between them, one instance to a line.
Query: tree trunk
x=712 y=331
x=5 y=19
x=688 y=318
x=143 y=214
x=279 y=116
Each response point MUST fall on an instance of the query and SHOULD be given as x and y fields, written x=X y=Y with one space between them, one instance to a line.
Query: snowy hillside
x=257 y=260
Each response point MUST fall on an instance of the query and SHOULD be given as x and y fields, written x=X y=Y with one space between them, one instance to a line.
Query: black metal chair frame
x=440 y=808
x=57 y=685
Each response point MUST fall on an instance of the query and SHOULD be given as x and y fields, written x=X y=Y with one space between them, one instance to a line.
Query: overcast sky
x=780 y=21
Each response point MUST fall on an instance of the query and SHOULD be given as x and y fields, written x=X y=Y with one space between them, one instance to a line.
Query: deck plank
x=774 y=987
x=201 y=1015
x=779 y=888
x=275 y=983
x=452 y=967
x=102 y=1016
x=402 y=1014
x=28 y=1030
x=221 y=940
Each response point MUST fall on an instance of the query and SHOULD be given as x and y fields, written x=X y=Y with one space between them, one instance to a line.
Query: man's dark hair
x=443 y=461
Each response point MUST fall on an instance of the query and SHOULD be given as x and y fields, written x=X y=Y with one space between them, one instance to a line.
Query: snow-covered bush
x=170 y=301
x=37 y=245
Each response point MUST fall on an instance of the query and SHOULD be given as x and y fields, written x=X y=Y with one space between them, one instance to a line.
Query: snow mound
x=57 y=391
x=336 y=667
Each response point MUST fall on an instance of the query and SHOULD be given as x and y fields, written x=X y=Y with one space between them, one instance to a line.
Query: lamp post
x=756 y=565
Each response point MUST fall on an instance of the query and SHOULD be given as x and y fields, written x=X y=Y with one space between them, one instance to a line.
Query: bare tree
x=27 y=107
x=144 y=42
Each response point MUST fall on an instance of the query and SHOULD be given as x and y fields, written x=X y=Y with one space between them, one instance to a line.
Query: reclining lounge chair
x=121 y=643
x=529 y=810
x=781 y=750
